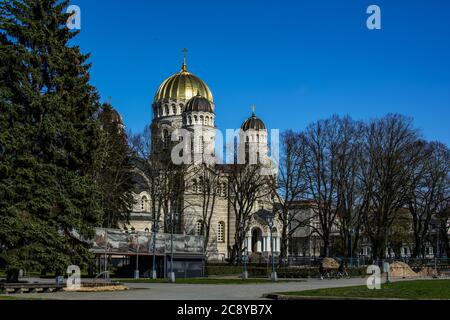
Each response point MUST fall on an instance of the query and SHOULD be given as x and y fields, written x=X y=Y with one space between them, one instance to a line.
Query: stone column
x=258 y=245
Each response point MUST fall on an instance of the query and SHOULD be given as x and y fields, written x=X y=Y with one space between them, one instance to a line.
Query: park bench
x=10 y=288
x=13 y=288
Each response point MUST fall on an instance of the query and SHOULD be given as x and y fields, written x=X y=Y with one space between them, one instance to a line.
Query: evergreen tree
x=114 y=178
x=48 y=138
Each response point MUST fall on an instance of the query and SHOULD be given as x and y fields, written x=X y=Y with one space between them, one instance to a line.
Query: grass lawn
x=410 y=290
x=18 y=298
x=8 y=298
x=203 y=281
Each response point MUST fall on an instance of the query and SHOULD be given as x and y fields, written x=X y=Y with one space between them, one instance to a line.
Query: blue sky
x=297 y=61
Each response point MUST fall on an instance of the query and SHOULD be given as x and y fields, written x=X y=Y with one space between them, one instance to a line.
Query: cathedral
x=185 y=102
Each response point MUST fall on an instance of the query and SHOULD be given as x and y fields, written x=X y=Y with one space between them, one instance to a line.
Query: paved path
x=166 y=291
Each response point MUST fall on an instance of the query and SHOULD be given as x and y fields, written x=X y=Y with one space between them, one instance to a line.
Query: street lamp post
x=245 y=273
x=106 y=256
x=155 y=228
x=351 y=233
x=244 y=257
x=437 y=247
x=136 y=272
x=172 y=226
x=270 y=223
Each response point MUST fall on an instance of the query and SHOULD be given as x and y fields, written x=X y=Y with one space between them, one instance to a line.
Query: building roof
x=198 y=103
x=183 y=86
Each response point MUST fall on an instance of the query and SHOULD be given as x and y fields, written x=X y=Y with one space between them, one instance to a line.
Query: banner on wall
x=120 y=242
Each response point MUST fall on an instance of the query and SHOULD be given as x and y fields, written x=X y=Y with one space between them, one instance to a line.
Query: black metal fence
x=306 y=267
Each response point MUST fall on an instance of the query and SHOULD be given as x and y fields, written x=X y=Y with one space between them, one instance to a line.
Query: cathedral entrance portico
x=257 y=241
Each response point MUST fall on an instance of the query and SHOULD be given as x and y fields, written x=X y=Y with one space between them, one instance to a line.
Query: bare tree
x=160 y=177
x=350 y=196
x=206 y=183
x=323 y=140
x=247 y=186
x=388 y=153
x=290 y=187
x=428 y=186
x=150 y=172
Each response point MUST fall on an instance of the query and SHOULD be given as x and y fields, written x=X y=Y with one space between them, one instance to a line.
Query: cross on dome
x=184 y=67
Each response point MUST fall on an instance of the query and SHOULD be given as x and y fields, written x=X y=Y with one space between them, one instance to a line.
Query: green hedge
x=257 y=271
x=228 y=270
x=223 y=270
x=314 y=272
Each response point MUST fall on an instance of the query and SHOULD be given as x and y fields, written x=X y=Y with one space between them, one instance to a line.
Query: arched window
x=194 y=186
x=165 y=138
x=160 y=112
x=211 y=146
x=202 y=144
x=224 y=189
x=190 y=120
x=166 y=109
x=200 y=185
x=207 y=120
x=201 y=120
x=221 y=232
x=219 y=190
x=174 y=109
x=198 y=228
x=144 y=203
x=147 y=230
x=195 y=120
x=181 y=108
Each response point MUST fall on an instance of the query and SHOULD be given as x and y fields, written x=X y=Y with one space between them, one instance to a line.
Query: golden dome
x=183 y=86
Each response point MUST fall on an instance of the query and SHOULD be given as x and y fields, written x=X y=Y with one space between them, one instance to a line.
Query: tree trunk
x=377 y=251
x=418 y=250
x=12 y=276
x=233 y=254
x=284 y=244
x=326 y=247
